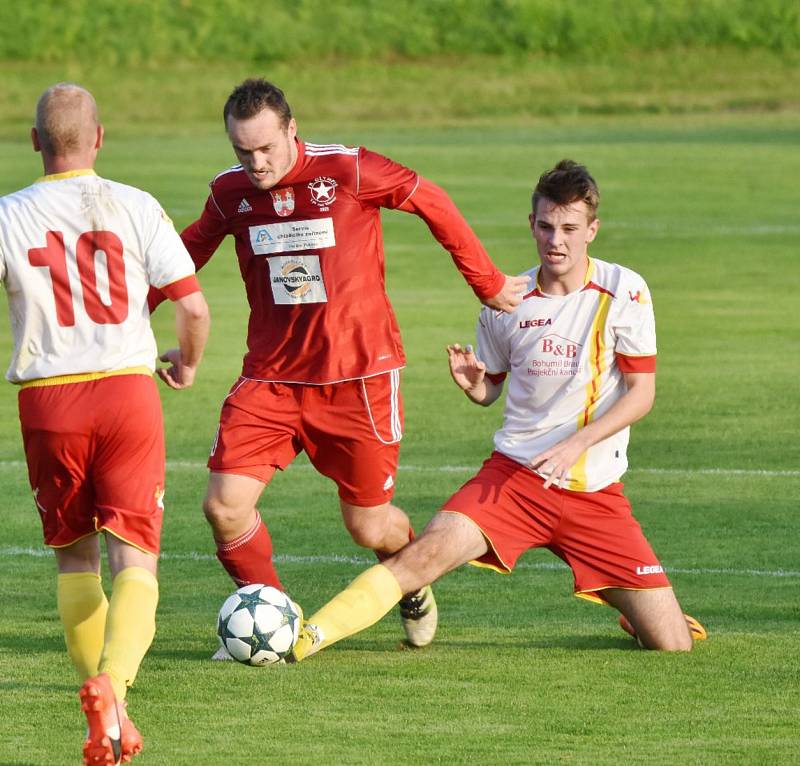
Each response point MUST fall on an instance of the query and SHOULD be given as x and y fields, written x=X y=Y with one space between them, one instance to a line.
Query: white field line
x=179 y=465
x=362 y=561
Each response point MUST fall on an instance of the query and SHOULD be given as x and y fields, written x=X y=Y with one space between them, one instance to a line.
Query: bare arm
x=633 y=405
x=192 y=324
x=469 y=374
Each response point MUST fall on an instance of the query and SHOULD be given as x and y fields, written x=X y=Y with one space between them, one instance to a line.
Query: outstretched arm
x=633 y=405
x=494 y=289
x=469 y=374
x=192 y=325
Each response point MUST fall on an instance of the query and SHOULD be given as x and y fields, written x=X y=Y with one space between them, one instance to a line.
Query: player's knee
x=679 y=644
x=221 y=515
x=367 y=534
x=675 y=641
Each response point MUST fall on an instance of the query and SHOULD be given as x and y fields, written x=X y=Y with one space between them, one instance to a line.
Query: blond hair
x=66 y=119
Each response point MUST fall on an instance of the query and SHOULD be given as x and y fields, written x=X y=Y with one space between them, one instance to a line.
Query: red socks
x=248 y=558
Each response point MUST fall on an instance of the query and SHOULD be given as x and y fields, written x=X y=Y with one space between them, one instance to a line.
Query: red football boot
x=112 y=738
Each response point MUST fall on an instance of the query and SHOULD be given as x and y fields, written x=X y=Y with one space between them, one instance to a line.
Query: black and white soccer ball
x=259 y=625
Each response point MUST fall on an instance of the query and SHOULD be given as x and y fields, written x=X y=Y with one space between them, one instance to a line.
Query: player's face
x=562 y=235
x=265 y=148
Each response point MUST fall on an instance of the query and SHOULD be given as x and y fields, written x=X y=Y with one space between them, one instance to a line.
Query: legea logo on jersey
x=648 y=570
x=323 y=192
x=283 y=201
x=528 y=323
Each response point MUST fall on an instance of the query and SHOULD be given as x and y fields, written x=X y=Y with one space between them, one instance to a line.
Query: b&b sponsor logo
x=555 y=345
x=556 y=357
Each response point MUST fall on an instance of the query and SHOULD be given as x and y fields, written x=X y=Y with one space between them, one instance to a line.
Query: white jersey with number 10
x=77 y=256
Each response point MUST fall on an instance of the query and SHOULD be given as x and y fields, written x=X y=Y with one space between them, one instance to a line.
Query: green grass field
x=705 y=206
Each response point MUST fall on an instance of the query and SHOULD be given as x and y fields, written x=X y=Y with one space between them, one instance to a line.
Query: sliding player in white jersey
x=580 y=352
x=78 y=254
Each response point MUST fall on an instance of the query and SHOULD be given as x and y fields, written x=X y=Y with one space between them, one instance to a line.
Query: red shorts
x=95 y=453
x=350 y=431
x=593 y=532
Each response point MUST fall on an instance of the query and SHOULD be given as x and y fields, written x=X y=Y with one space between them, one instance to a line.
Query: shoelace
x=412 y=607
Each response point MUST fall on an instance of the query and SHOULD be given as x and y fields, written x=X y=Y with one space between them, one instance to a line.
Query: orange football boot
x=112 y=738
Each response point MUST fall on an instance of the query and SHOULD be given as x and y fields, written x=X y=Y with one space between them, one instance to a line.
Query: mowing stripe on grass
x=195 y=465
x=360 y=561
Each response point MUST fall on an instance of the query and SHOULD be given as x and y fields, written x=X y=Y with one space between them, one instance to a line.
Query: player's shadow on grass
x=170 y=655
x=582 y=643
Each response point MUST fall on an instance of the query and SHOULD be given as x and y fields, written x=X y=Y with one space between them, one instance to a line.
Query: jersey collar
x=66 y=174
x=537 y=291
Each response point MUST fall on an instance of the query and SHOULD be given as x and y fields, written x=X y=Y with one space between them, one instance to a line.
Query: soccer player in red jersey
x=580 y=356
x=78 y=254
x=324 y=354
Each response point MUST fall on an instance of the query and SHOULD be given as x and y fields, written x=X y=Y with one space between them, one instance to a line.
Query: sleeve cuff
x=636 y=363
x=496 y=377
x=183 y=287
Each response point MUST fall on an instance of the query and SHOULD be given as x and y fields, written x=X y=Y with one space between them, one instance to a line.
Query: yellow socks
x=82 y=606
x=361 y=604
x=130 y=626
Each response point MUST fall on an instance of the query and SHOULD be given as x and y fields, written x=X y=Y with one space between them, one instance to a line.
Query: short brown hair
x=253 y=96
x=566 y=183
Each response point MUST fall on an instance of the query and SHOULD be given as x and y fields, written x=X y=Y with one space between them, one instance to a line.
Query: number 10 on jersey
x=54 y=255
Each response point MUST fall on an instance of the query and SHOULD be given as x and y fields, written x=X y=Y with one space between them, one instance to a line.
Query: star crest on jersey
x=283 y=201
x=244 y=207
x=323 y=191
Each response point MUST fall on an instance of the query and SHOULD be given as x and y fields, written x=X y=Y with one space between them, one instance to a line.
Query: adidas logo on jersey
x=244 y=207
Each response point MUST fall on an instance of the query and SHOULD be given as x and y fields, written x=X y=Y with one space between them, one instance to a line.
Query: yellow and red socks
x=130 y=626
x=361 y=604
x=82 y=606
x=248 y=558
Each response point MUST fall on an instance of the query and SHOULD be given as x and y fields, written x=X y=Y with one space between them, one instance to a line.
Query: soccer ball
x=259 y=625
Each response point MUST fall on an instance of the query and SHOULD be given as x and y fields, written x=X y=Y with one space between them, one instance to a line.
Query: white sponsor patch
x=292 y=235
x=296 y=279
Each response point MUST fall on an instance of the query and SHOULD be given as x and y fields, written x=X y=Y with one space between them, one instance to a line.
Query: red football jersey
x=311 y=255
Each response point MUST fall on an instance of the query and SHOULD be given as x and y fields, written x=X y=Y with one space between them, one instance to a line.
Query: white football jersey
x=566 y=355
x=78 y=254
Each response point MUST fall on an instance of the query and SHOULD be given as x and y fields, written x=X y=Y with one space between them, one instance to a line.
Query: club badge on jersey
x=283 y=201
x=323 y=192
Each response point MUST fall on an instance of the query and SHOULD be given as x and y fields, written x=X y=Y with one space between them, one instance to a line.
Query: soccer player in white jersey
x=580 y=355
x=78 y=254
